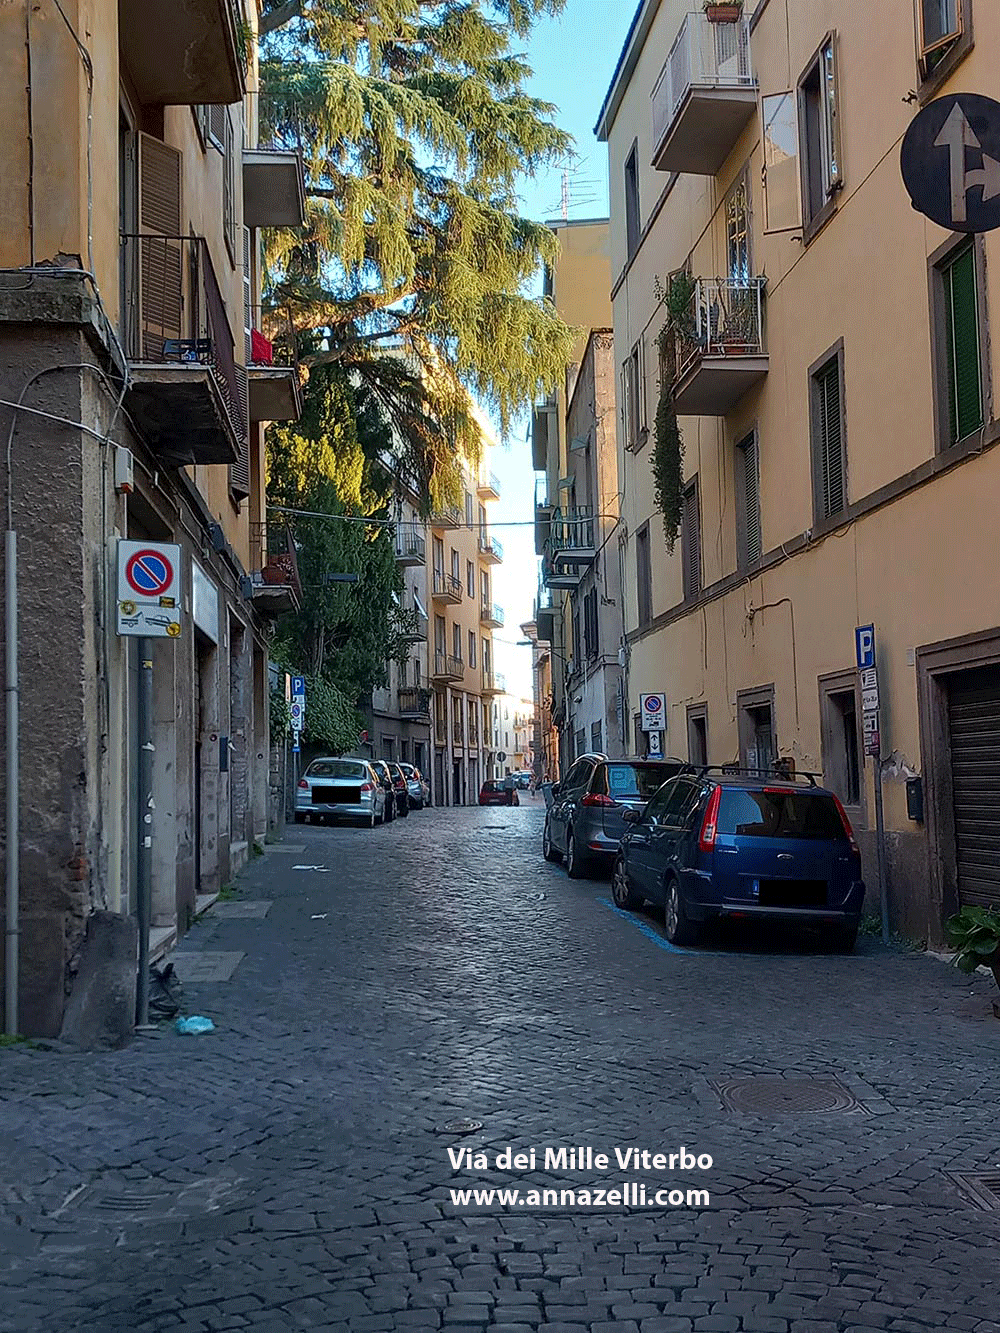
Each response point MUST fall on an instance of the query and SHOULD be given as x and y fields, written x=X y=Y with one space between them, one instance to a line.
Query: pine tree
x=415 y=129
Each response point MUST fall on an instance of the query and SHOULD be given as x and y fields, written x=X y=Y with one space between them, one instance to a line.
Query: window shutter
x=965 y=393
x=748 y=501
x=239 y=472
x=833 y=479
x=228 y=201
x=216 y=120
x=160 y=278
x=691 y=542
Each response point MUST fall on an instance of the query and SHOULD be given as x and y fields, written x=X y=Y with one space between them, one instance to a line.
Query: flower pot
x=723 y=12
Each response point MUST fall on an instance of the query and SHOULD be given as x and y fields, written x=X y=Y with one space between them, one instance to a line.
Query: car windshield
x=407 y=769
x=776 y=813
x=492 y=786
x=636 y=781
x=335 y=768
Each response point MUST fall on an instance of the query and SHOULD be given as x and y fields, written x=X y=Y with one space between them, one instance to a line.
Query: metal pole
x=880 y=849
x=144 y=815
x=13 y=895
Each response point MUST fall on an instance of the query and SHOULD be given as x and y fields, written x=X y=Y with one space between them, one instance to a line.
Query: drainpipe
x=13 y=788
x=144 y=815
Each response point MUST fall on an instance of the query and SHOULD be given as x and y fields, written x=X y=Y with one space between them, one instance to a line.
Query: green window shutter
x=830 y=421
x=965 y=388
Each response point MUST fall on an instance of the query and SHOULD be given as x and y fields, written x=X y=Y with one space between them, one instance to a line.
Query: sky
x=573 y=58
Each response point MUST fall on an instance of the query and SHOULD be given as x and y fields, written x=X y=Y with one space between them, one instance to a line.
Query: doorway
x=758 y=742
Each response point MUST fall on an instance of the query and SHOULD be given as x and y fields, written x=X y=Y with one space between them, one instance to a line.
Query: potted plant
x=974 y=933
x=723 y=11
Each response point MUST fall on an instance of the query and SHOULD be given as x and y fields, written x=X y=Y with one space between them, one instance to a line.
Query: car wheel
x=371 y=823
x=576 y=865
x=680 y=930
x=404 y=811
x=299 y=818
x=842 y=939
x=621 y=890
x=548 y=851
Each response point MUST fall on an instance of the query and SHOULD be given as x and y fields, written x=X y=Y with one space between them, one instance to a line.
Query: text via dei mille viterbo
x=579 y=1159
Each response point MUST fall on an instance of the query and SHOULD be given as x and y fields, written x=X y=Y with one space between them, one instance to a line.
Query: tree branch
x=292 y=9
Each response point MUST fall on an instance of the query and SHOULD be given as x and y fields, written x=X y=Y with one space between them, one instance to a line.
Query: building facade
x=134 y=189
x=831 y=369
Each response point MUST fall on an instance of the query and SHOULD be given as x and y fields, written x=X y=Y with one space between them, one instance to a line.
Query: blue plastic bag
x=194 y=1025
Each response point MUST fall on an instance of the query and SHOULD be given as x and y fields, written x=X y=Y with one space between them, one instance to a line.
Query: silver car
x=417 y=786
x=340 y=789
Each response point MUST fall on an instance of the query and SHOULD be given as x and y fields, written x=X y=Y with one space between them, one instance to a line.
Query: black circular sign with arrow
x=950 y=162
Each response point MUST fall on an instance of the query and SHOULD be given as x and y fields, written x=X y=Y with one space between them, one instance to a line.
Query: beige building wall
x=910 y=551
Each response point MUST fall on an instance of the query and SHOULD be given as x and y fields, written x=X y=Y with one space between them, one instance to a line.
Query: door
x=974 y=723
x=570 y=795
x=666 y=833
x=640 y=847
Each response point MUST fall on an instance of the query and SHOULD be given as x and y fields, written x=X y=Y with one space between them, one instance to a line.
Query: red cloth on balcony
x=261 y=351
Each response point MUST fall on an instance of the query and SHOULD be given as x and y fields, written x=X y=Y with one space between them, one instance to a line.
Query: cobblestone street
x=287 y=1171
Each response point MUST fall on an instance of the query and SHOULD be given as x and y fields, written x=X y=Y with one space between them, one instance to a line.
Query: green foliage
x=332 y=721
x=416 y=131
x=974 y=933
x=667 y=459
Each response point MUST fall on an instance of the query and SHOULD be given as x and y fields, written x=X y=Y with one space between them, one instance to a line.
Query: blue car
x=722 y=845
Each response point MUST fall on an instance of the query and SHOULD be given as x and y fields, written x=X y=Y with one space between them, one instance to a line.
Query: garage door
x=974 y=717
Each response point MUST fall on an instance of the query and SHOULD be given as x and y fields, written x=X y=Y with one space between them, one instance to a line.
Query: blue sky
x=573 y=58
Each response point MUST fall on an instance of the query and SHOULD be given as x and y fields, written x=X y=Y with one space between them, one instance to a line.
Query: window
x=456 y=567
x=438 y=556
x=468 y=509
x=941 y=24
x=643 y=576
x=472 y=648
x=698 y=735
x=748 y=538
x=595 y=737
x=805 y=815
x=782 y=197
x=456 y=641
x=634 y=399
x=738 y=231
x=632 y=227
x=484 y=581
x=470 y=578
x=590 y=636
x=829 y=443
x=229 y=185
x=842 y=761
x=758 y=745
x=691 y=540
x=581 y=742
x=961 y=366
x=820 y=134
x=577 y=640
x=440 y=639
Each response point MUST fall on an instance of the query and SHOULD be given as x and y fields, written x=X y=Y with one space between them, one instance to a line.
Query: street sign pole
x=866 y=654
x=880 y=849
x=144 y=817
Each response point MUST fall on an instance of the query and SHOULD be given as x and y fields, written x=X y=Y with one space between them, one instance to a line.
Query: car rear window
x=638 y=781
x=492 y=786
x=780 y=814
x=335 y=768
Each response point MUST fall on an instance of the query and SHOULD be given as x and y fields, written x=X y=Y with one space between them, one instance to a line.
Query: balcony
x=490 y=550
x=274 y=188
x=447 y=590
x=184 y=54
x=187 y=396
x=544 y=430
x=415 y=703
x=720 y=354
x=489 y=488
x=706 y=93
x=275 y=392
x=545 y=621
x=491 y=617
x=274 y=587
x=570 y=548
x=416 y=617
x=493 y=682
x=448 y=668
x=447 y=518
x=411 y=549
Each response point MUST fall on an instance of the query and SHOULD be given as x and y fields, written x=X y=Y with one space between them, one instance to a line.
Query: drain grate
x=112 y=1199
x=460 y=1127
x=768 y=1095
x=982 y=1191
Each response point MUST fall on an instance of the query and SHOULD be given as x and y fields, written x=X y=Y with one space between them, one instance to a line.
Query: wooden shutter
x=239 y=472
x=974 y=731
x=965 y=390
x=748 y=501
x=228 y=200
x=217 y=118
x=691 y=541
x=832 y=462
x=161 y=249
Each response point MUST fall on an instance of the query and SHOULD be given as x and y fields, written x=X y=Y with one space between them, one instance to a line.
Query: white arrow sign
x=957 y=136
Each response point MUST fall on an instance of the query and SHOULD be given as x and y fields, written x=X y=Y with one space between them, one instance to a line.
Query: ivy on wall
x=667 y=459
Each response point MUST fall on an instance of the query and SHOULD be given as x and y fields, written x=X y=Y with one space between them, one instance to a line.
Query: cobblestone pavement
x=285 y=1172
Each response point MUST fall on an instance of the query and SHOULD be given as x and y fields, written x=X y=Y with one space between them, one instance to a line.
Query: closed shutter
x=974 y=720
x=228 y=200
x=217 y=119
x=832 y=463
x=161 y=250
x=748 y=501
x=965 y=391
x=239 y=472
x=691 y=541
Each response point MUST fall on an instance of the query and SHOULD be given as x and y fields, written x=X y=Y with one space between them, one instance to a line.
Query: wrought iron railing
x=410 y=545
x=415 y=702
x=571 y=529
x=446 y=664
x=494 y=682
x=494 y=613
x=725 y=318
x=446 y=585
x=272 y=555
x=489 y=545
x=704 y=54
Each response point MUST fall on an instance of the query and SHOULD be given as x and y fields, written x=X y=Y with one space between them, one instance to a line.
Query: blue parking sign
x=864 y=639
x=299 y=685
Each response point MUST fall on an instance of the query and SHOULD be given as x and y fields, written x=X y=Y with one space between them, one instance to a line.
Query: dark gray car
x=586 y=822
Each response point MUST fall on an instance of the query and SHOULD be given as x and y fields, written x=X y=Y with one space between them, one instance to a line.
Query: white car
x=417 y=786
x=340 y=789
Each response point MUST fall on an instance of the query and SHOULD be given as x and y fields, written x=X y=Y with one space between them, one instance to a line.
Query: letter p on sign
x=864 y=637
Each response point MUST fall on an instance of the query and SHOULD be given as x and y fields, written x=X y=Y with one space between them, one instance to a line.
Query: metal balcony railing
x=272 y=556
x=446 y=664
x=410 y=546
x=493 y=682
x=725 y=318
x=174 y=311
x=571 y=529
x=447 y=585
x=704 y=54
x=492 y=613
x=489 y=546
x=415 y=702
x=447 y=518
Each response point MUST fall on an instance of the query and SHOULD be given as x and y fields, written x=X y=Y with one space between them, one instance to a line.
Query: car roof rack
x=775 y=772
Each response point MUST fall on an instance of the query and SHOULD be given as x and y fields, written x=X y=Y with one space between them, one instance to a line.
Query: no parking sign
x=653 y=708
x=149 y=589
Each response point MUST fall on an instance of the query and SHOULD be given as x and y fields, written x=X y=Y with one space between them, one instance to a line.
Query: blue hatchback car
x=711 y=845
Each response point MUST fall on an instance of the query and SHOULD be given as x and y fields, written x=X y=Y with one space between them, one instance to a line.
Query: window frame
x=820 y=518
x=691 y=590
x=953 y=49
x=644 y=578
x=833 y=149
x=741 y=185
x=696 y=713
x=772 y=226
x=831 y=687
x=937 y=264
x=633 y=206
x=743 y=561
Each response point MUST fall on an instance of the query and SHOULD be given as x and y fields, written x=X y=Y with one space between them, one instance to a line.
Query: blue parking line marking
x=646 y=929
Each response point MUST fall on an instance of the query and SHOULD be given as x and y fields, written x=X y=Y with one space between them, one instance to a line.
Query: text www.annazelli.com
x=630 y=1194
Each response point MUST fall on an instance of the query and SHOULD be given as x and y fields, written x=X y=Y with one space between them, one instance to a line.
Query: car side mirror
x=632 y=816
x=557 y=789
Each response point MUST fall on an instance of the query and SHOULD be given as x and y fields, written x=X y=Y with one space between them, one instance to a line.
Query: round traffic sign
x=950 y=160
x=150 y=573
x=653 y=703
x=296 y=710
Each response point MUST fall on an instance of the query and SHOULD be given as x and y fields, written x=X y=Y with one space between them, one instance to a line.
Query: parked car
x=586 y=821
x=522 y=781
x=400 y=790
x=340 y=789
x=711 y=845
x=381 y=770
x=493 y=792
x=418 y=787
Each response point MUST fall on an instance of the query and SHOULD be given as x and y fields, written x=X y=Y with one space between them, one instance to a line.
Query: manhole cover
x=983 y=1191
x=111 y=1199
x=763 y=1095
x=460 y=1127
x=246 y=910
x=204 y=965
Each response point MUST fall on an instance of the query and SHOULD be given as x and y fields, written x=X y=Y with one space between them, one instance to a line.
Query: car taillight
x=598 y=800
x=368 y=786
x=847 y=826
x=303 y=785
x=709 y=825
